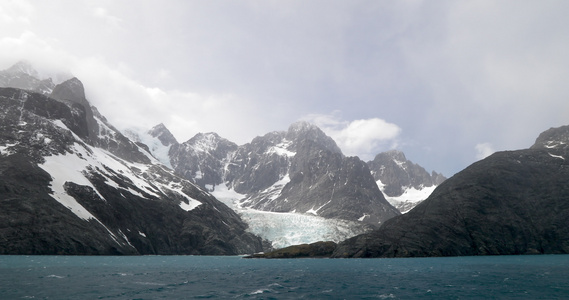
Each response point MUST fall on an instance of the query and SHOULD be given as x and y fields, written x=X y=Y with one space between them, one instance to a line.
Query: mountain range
x=210 y=160
x=296 y=174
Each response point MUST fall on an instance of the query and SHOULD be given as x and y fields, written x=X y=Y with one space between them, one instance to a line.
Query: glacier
x=291 y=228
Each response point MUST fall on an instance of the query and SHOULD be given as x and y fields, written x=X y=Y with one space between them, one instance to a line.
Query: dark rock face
x=512 y=202
x=202 y=158
x=314 y=250
x=338 y=187
x=163 y=134
x=65 y=190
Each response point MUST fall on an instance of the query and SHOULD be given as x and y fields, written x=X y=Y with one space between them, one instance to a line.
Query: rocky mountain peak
x=205 y=142
x=70 y=90
x=302 y=126
x=163 y=135
x=23 y=76
x=394 y=155
x=23 y=67
x=553 y=138
x=303 y=130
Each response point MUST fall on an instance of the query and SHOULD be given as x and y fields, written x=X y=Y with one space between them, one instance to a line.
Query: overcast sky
x=446 y=82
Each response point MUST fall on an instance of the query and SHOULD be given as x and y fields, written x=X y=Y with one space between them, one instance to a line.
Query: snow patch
x=5 y=149
x=401 y=164
x=69 y=168
x=176 y=187
x=556 y=156
x=312 y=211
x=553 y=144
x=189 y=206
x=60 y=124
x=315 y=211
x=281 y=149
x=411 y=196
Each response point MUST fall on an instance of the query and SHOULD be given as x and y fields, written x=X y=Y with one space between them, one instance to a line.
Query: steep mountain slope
x=403 y=183
x=512 y=202
x=70 y=183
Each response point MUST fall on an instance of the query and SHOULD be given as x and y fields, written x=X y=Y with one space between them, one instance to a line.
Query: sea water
x=189 y=277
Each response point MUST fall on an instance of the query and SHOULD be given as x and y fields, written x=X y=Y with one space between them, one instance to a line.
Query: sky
x=446 y=82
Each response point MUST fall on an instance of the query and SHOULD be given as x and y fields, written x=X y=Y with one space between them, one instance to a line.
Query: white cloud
x=126 y=102
x=484 y=150
x=364 y=138
x=111 y=20
x=15 y=11
x=451 y=73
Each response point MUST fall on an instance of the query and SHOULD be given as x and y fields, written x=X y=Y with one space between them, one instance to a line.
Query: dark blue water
x=188 y=277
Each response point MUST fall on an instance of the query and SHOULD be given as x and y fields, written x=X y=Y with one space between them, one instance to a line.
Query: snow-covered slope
x=410 y=197
x=403 y=183
x=156 y=147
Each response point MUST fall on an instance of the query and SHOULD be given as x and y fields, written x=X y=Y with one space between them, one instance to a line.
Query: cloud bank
x=448 y=74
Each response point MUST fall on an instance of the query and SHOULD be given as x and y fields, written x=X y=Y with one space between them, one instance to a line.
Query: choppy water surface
x=187 y=277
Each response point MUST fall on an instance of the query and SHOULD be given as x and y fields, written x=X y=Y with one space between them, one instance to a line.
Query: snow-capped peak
x=204 y=142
